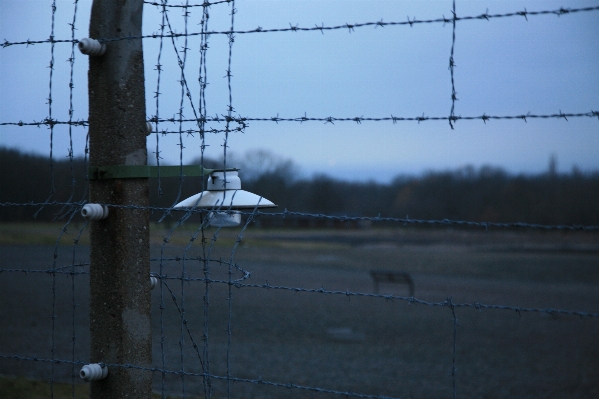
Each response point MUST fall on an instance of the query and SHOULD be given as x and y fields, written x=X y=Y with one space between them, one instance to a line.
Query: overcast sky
x=504 y=67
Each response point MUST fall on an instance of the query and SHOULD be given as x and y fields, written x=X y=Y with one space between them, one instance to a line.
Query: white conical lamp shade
x=225 y=199
x=224 y=192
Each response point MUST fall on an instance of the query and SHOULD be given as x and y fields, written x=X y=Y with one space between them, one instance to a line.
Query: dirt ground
x=349 y=343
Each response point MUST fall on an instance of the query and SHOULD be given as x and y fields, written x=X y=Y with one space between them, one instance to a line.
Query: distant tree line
x=486 y=194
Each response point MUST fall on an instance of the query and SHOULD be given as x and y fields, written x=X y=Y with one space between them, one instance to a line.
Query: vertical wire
x=73 y=183
x=74 y=307
x=86 y=169
x=229 y=116
x=451 y=119
x=451 y=67
x=230 y=295
x=228 y=76
x=187 y=92
x=455 y=334
x=71 y=109
x=162 y=307
x=161 y=265
x=54 y=314
x=203 y=79
x=182 y=63
x=203 y=74
x=157 y=93
x=183 y=81
x=206 y=302
x=63 y=230
x=52 y=191
x=50 y=120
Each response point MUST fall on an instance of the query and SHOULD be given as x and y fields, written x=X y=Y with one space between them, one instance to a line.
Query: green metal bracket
x=146 y=171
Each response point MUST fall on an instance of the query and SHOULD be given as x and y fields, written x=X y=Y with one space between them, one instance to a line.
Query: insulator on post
x=91 y=47
x=148 y=128
x=93 y=372
x=153 y=281
x=94 y=212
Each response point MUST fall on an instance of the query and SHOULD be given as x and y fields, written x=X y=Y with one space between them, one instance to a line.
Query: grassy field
x=24 y=388
x=364 y=344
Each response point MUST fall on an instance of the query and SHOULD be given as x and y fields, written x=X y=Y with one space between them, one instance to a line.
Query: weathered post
x=120 y=255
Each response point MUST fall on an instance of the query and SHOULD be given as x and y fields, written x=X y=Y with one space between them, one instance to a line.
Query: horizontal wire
x=44 y=271
x=204 y=4
x=350 y=27
x=404 y=221
x=258 y=381
x=330 y=119
x=411 y=300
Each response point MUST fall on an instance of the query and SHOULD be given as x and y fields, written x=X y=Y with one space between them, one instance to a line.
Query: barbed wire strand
x=479 y=306
x=205 y=262
x=157 y=94
x=202 y=105
x=455 y=335
x=63 y=230
x=242 y=120
x=258 y=381
x=205 y=4
x=403 y=221
x=451 y=121
x=451 y=68
x=71 y=61
x=74 y=307
x=182 y=64
x=231 y=38
x=73 y=184
x=52 y=191
x=349 y=27
x=185 y=91
x=156 y=121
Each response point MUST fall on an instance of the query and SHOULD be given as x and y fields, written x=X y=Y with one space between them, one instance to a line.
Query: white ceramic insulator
x=153 y=281
x=224 y=219
x=93 y=372
x=216 y=181
x=91 y=47
x=94 y=212
x=148 y=128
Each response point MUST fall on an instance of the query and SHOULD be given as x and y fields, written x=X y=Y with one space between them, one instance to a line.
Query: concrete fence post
x=120 y=254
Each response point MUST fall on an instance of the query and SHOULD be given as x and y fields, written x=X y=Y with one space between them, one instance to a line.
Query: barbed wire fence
x=195 y=339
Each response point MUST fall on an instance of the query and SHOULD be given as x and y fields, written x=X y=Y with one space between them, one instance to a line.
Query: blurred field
x=366 y=345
